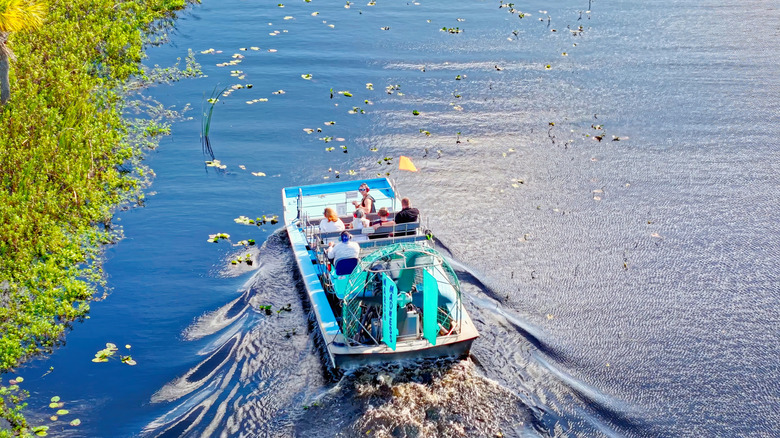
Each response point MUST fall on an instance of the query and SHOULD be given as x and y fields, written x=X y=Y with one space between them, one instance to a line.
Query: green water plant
x=108 y=353
x=207 y=114
x=67 y=161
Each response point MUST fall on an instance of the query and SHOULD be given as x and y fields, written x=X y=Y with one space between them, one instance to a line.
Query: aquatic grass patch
x=205 y=126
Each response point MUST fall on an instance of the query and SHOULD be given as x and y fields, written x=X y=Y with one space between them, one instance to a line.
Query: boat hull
x=455 y=350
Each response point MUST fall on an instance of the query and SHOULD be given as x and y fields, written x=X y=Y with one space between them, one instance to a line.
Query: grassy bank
x=68 y=158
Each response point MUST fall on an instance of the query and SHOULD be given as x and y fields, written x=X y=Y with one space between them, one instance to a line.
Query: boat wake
x=262 y=373
x=538 y=372
x=259 y=364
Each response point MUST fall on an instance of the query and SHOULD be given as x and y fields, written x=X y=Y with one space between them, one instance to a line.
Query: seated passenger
x=331 y=222
x=360 y=222
x=345 y=249
x=406 y=215
x=383 y=221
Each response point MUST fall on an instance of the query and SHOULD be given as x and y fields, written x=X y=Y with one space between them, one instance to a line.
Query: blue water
x=621 y=288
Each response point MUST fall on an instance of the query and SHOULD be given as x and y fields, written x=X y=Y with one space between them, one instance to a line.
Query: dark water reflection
x=621 y=288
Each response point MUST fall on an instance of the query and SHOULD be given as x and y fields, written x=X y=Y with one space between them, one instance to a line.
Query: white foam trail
x=214 y=321
x=183 y=386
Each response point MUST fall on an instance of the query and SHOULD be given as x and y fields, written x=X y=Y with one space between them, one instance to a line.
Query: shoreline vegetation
x=70 y=155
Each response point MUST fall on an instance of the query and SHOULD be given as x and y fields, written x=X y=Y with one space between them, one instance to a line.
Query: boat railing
x=341 y=207
x=408 y=232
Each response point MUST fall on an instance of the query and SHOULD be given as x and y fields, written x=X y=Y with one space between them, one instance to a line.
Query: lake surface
x=622 y=286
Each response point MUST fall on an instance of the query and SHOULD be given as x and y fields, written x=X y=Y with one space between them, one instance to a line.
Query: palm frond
x=16 y=15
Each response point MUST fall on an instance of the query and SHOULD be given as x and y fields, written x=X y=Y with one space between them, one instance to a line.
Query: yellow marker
x=404 y=163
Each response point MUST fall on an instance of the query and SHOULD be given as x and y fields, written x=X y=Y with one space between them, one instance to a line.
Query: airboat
x=399 y=299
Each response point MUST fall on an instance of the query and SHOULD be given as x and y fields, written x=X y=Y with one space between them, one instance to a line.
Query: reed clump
x=67 y=160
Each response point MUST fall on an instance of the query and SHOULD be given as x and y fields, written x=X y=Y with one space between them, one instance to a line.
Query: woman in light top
x=331 y=222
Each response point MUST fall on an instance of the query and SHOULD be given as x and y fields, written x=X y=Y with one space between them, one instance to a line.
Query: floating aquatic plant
x=244 y=220
x=214 y=238
x=216 y=163
x=103 y=356
x=245 y=259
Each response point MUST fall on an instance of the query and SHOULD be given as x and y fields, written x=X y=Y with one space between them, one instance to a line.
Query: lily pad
x=244 y=220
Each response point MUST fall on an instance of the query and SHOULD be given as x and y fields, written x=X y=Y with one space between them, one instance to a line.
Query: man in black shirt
x=407 y=213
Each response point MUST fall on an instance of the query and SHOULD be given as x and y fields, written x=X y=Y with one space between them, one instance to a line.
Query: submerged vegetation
x=69 y=156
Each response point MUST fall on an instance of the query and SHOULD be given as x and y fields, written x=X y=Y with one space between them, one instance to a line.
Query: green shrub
x=68 y=158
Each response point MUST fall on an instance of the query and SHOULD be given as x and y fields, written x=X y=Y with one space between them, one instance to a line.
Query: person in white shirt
x=345 y=249
x=331 y=222
x=360 y=222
